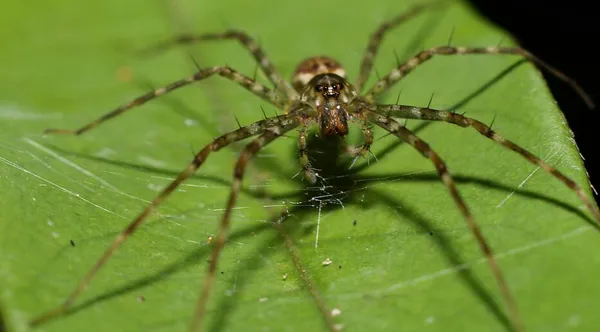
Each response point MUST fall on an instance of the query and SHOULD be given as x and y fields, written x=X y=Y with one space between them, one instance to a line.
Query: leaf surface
x=402 y=256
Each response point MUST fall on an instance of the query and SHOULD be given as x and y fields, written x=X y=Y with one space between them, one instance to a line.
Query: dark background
x=565 y=35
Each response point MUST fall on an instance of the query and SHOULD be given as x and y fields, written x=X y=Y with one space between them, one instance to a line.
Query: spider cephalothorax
x=319 y=93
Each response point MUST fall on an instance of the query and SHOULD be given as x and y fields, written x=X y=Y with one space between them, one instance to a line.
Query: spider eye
x=339 y=86
x=319 y=88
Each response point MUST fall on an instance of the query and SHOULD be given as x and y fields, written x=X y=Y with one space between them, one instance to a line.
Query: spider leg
x=401 y=71
x=409 y=137
x=377 y=37
x=365 y=148
x=288 y=123
x=248 y=42
x=283 y=121
x=411 y=112
x=229 y=73
x=308 y=171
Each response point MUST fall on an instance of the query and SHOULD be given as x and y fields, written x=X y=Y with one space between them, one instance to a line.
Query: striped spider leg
x=398 y=73
x=248 y=43
x=227 y=72
x=376 y=39
x=429 y=114
x=268 y=129
x=318 y=94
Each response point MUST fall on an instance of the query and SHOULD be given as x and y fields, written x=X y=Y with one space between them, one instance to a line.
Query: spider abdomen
x=312 y=67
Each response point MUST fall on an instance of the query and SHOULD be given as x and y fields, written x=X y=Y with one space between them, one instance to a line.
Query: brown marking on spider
x=330 y=95
x=312 y=67
x=320 y=94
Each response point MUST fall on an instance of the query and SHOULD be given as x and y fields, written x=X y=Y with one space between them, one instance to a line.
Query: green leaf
x=402 y=255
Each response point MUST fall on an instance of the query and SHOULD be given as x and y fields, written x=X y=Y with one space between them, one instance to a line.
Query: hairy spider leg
x=249 y=43
x=229 y=73
x=398 y=73
x=365 y=148
x=272 y=126
x=307 y=170
x=287 y=123
x=409 y=137
x=377 y=38
x=412 y=112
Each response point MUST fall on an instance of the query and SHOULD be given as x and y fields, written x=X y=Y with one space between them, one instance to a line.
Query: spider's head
x=322 y=83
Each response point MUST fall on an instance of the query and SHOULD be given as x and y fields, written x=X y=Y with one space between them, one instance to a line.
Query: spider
x=321 y=95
